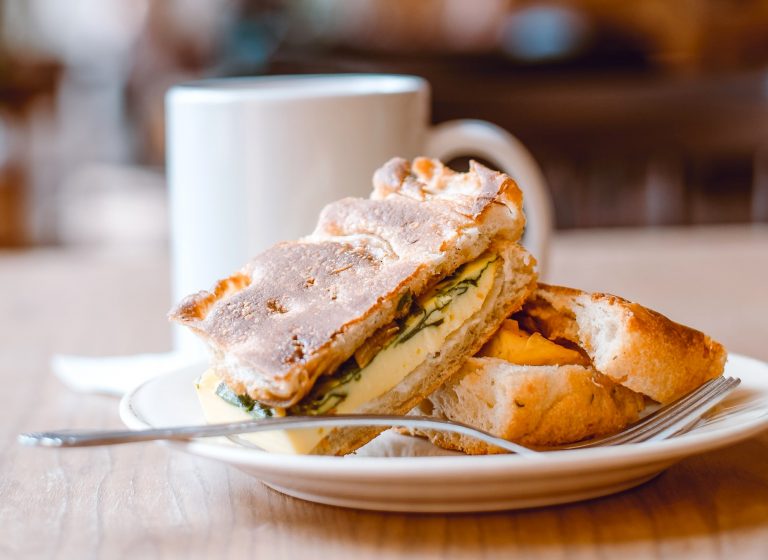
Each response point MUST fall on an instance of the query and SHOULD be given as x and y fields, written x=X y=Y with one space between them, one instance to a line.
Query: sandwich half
x=372 y=312
x=570 y=366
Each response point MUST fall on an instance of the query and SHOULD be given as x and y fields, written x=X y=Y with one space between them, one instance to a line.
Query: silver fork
x=664 y=423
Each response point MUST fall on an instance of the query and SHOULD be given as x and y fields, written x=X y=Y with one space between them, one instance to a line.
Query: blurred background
x=641 y=113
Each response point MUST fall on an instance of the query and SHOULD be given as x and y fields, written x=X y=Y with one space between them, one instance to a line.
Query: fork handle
x=73 y=438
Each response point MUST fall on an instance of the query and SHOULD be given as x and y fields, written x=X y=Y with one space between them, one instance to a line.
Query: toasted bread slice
x=531 y=405
x=301 y=309
x=633 y=345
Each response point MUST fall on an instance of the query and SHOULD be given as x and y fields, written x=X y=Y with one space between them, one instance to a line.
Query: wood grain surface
x=144 y=501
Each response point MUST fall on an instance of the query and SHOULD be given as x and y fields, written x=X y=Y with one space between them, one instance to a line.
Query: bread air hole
x=426 y=407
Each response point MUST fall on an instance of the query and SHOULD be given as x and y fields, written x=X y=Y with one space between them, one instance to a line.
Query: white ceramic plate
x=399 y=473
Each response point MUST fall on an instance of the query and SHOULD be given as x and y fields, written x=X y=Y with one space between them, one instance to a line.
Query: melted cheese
x=519 y=347
x=388 y=368
x=218 y=411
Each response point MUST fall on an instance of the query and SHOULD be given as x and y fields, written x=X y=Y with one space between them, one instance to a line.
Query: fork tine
x=686 y=421
x=684 y=414
x=685 y=407
x=650 y=419
x=672 y=412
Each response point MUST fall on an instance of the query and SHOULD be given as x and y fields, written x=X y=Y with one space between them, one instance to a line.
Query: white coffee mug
x=251 y=161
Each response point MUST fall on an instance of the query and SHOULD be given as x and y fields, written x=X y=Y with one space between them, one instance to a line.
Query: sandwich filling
x=518 y=346
x=385 y=360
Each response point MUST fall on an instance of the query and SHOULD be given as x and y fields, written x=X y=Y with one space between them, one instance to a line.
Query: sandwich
x=372 y=312
x=570 y=366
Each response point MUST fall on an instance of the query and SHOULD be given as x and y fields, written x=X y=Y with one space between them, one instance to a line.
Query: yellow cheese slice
x=218 y=411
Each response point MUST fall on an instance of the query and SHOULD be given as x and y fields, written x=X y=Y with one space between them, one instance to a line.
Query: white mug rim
x=298 y=86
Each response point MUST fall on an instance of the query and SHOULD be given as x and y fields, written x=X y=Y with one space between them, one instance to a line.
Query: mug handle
x=483 y=139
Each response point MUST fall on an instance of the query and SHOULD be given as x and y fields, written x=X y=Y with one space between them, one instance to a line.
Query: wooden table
x=145 y=501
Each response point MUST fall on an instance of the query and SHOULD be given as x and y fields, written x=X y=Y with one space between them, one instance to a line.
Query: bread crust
x=532 y=405
x=301 y=308
x=635 y=346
